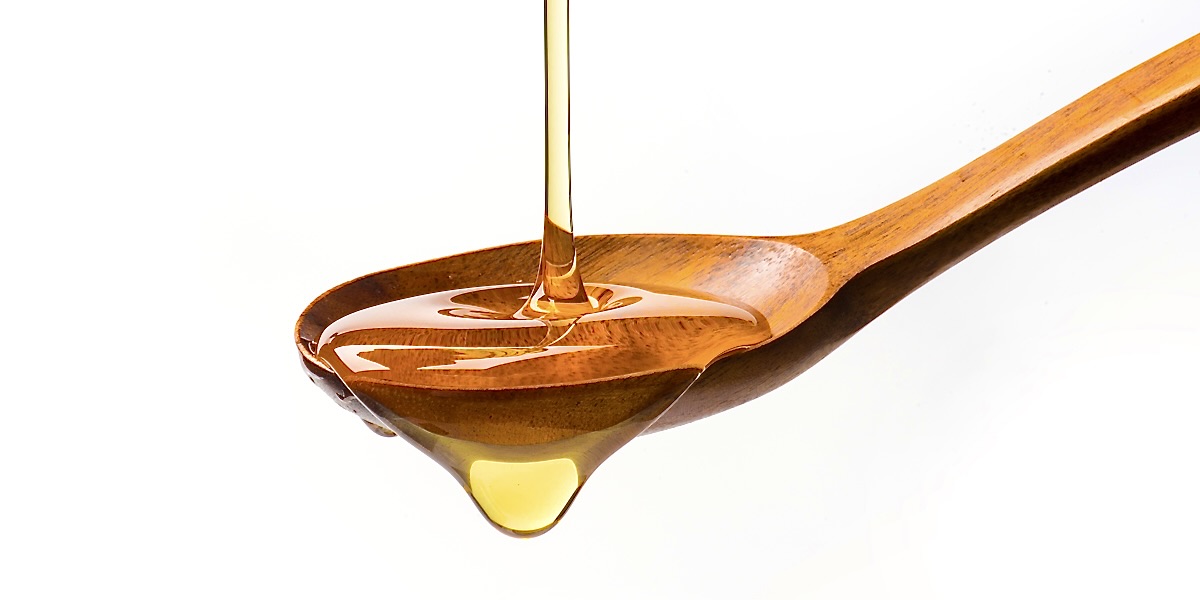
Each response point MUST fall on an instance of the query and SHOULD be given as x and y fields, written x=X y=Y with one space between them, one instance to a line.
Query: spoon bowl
x=779 y=279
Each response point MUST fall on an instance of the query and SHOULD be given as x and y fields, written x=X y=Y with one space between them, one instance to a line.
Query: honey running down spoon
x=812 y=291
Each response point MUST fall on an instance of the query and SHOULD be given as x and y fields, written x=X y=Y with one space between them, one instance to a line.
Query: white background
x=179 y=179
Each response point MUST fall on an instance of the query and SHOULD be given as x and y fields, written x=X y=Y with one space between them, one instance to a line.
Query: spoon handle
x=1140 y=112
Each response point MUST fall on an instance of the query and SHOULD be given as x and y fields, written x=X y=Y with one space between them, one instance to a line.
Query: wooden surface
x=1115 y=125
x=819 y=289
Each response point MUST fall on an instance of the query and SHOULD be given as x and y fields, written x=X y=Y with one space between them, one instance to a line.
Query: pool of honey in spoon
x=513 y=403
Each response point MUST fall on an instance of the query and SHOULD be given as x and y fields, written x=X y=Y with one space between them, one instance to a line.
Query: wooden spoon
x=818 y=289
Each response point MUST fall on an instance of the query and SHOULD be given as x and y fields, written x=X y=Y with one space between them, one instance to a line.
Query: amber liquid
x=521 y=391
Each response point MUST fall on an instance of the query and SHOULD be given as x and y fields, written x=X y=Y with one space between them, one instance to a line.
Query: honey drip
x=521 y=391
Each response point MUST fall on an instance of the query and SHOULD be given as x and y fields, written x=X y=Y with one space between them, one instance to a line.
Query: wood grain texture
x=818 y=289
x=1115 y=125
